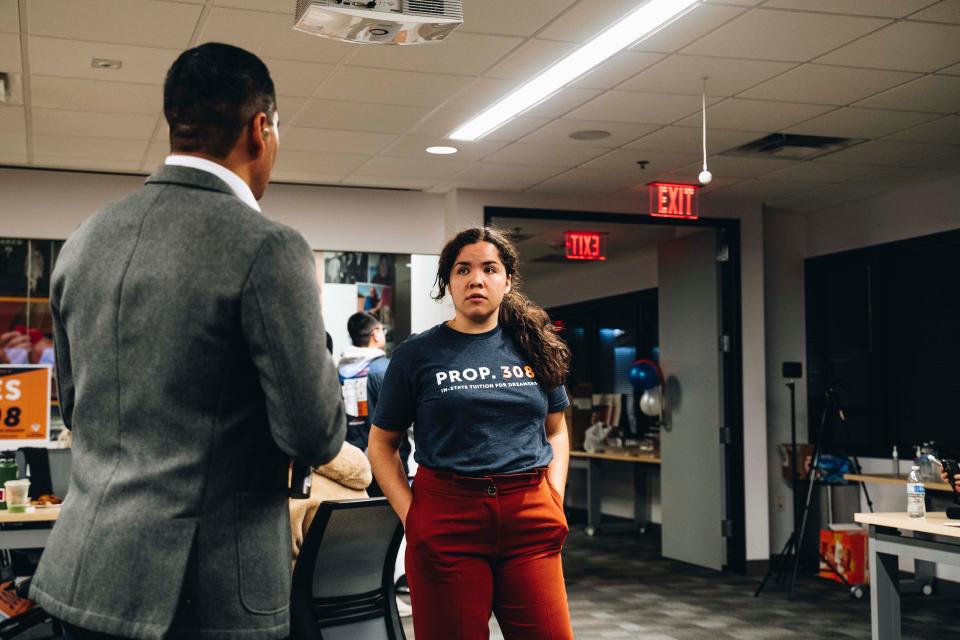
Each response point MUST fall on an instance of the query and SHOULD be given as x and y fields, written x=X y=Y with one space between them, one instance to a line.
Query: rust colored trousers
x=482 y=545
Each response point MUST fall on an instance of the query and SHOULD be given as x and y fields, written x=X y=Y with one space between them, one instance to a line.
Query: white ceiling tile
x=271 y=6
x=412 y=168
x=56 y=122
x=877 y=8
x=543 y=155
x=359 y=116
x=10 y=53
x=508 y=173
x=9 y=16
x=852 y=122
x=945 y=11
x=515 y=129
x=562 y=102
x=508 y=17
x=684 y=74
x=558 y=132
x=156 y=154
x=92 y=95
x=590 y=181
x=301 y=79
x=306 y=177
x=822 y=172
x=627 y=159
x=688 y=140
x=782 y=35
x=823 y=84
x=738 y=167
x=530 y=58
x=697 y=23
x=899 y=177
x=943 y=131
x=629 y=106
x=416 y=147
x=381 y=182
x=481 y=93
x=85 y=164
x=389 y=86
x=615 y=70
x=905 y=46
x=937 y=94
x=13 y=144
x=271 y=35
x=71 y=59
x=89 y=148
x=288 y=107
x=763 y=190
x=586 y=19
x=949 y=160
x=449 y=185
x=952 y=70
x=135 y=22
x=319 y=162
x=459 y=53
x=828 y=196
x=12 y=120
x=333 y=141
x=884 y=152
x=755 y=115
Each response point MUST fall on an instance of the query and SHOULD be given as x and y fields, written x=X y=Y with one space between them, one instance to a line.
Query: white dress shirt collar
x=235 y=182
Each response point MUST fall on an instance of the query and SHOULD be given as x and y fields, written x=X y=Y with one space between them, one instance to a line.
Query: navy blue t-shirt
x=475 y=400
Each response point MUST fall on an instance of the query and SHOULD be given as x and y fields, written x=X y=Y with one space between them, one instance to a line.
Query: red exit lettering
x=584 y=245
x=673 y=200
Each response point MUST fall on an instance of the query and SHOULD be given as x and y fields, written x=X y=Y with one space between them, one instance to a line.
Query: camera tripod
x=791 y=550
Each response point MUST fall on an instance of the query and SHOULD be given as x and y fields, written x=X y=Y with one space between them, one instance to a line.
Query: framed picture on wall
x=345 y=267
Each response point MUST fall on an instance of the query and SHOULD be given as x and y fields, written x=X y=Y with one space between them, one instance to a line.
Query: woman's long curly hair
x=524 y=321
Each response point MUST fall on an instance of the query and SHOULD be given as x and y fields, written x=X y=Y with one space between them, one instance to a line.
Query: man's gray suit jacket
x=192 y=365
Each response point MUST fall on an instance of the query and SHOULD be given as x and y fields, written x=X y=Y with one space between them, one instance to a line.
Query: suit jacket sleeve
x=284 y=331
x=65 y=390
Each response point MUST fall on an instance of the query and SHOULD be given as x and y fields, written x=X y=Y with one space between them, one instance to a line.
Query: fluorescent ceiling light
x=442 y=151
x=641 y=23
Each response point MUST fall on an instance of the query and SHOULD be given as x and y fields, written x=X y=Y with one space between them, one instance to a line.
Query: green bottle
x=8 y=471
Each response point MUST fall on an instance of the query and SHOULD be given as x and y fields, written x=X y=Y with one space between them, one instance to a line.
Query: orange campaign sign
x=24 y=402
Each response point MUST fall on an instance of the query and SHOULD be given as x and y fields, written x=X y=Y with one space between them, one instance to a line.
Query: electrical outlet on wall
x=780 y=503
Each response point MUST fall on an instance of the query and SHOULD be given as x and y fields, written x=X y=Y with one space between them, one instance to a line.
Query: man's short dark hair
x=360 y=326
x=211 y=93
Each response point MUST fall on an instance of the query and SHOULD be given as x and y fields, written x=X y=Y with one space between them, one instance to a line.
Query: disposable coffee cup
x=17 y=494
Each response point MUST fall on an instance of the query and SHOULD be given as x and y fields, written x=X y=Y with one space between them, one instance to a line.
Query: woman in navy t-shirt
x=484 y=519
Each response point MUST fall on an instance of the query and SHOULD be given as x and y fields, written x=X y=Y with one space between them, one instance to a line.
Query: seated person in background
x=346 y=477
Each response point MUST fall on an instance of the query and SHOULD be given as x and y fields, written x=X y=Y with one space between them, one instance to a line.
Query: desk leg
x=594 y=496
x=884 y=593
x=641 y=498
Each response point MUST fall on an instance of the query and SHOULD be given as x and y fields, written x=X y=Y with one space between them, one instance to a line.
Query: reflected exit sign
x=669 y=200
x=585 y=245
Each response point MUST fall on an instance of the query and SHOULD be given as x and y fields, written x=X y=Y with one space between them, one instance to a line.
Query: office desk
x=887 y=544
x=13 y=536
x=593 y=464
x=889 y=478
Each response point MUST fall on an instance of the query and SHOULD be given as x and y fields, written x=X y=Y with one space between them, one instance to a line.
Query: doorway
x=698 y=259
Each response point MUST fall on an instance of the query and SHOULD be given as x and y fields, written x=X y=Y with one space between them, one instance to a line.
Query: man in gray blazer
x=192 y=367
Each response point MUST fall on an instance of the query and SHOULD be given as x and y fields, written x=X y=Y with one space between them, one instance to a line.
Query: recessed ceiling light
x=442 y=151
x=103 y=63
x=590 y=134
x=635 y=26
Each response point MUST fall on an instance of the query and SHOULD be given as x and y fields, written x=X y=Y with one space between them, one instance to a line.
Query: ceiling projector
x=379 y=21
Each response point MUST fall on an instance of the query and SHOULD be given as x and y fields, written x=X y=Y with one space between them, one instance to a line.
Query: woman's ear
x=509 y=285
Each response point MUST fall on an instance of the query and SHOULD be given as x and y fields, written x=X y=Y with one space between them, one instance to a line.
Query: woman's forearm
x=557 y=470
x=383 y=449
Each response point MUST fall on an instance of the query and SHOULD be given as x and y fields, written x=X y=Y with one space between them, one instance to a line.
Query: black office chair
x=343 y=580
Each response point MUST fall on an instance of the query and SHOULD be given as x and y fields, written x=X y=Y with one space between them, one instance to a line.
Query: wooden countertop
x=932 y=523
x=888 y=478
x=622 y=455
x=46 y=514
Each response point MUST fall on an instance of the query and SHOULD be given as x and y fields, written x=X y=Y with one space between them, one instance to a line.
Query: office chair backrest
x=47 y=469
x=343 y=579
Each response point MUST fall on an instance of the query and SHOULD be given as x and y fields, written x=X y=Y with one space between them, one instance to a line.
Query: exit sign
x=585 y=245
x=669 y=200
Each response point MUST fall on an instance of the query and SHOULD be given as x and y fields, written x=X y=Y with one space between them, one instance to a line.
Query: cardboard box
x=846 y=549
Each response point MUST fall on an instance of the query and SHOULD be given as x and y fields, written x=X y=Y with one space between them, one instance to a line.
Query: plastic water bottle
x=915 y=494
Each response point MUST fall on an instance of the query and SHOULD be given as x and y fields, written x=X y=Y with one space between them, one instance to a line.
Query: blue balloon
x=643 y=375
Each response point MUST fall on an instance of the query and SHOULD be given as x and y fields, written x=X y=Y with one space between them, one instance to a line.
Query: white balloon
x=650 y=403
x=705 y=177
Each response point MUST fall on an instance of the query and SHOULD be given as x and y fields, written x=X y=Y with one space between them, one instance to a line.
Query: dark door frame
x=728 y=231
